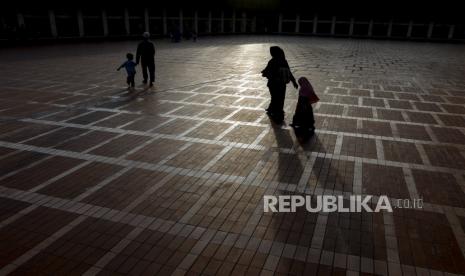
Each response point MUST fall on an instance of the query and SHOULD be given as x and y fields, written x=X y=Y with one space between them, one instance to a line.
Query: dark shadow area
x=354 y=234
x=123 y=99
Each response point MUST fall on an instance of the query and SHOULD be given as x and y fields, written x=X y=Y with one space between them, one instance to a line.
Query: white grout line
x=456 y=229
x=375 y=113
x=345 y=111
x=200 y=201
x=137 y=148
x=112 y=253
x=359 y=121
x=386 y=103
x=260 y=137
x=423 y=155
x=102 y=184
x=220 y=155
x=161 y=125
x=130 y=122
x=191 y=129
x=18 y=215
x=38 y=248
x=338 y=145
x=174 y=154
x=438 y=120
x=103 y=143
x=431 y=134
x=77 y=116
x=410 y=181
x=148 y=193
x=103 y=119
x=225 y=132
x=111 y=160
x=30 y=165
x=305 y=177
x=395 y=131
x=390 y=236
x=58 y=177
x=358 y=177
x=42 y=134
x=405 y=116
x=319 y=231
x=380 y=150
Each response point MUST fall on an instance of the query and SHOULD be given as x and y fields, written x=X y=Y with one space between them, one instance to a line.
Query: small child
x=130 y=67
x=304 y=121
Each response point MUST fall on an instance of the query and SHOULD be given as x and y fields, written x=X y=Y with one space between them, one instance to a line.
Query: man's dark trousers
x=150 y=65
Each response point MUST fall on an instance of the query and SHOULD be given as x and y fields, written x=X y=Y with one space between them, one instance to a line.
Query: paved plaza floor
x=170 y=181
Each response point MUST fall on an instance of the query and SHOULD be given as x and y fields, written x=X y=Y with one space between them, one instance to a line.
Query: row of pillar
x=315 y=21
x=126 y=18
x=243 y=25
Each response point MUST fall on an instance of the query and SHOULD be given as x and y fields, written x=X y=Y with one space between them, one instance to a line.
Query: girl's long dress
x=303 y=117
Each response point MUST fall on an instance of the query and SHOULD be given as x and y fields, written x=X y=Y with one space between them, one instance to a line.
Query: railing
x=78 y=24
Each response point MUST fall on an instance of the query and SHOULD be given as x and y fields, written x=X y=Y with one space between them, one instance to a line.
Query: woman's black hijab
x=278 y=57
x=277 y=53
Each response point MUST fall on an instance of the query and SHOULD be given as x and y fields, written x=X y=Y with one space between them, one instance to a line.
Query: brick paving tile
x=27 y=133
x=78 y=181
x=11 y=207
x=426 y=240
x=391 y=115
x=384 y=180
x=195 y=156
x=413 y=132
x=29 y=230
x=170 y=180
x=176 y=127
x=40 y=173
x=376 y=128
x=373 y=102
x=145 y=123
x=118 y=194
x=118 y=120
x=449 y=193
x=452 y=120
x=445 y=156
x=449 y=135
x=86 y=141
x=360 y=147
x=120 y=145
x=56 y=137
x=243 y=134
x=78 y=249
x=90 y=118
x=156 y=151
x=18 y=160
x=401 y=152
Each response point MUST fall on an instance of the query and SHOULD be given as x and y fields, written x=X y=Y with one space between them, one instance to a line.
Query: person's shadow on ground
x=300 y=228
x=124 y=98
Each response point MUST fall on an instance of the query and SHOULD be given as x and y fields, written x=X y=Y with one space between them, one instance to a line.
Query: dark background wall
x=440 y=21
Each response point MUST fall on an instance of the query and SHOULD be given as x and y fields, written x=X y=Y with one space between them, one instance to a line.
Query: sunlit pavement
x=98 y=180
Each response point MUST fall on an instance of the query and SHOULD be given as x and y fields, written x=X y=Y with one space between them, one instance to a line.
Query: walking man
x=146 y=55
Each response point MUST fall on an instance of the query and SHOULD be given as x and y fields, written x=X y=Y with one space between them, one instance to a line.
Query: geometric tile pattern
x=170 y=180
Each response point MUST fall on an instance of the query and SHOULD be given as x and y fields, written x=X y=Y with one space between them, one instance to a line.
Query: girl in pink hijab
x=303 y=121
